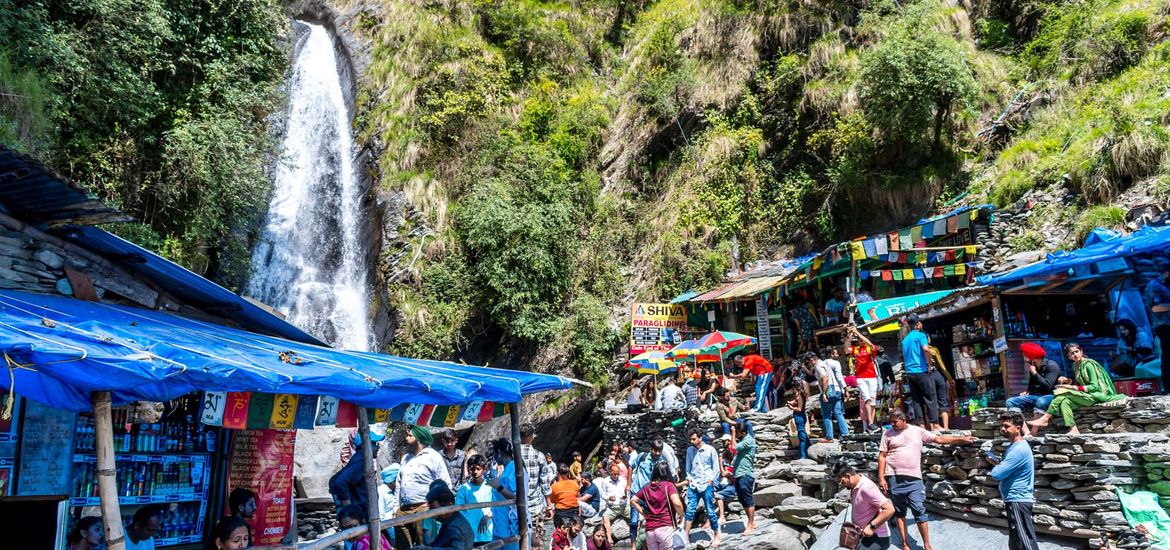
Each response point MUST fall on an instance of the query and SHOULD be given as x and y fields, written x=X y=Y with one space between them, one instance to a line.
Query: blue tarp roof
x=192 y=289
x=66 y=348
x=1105 y=246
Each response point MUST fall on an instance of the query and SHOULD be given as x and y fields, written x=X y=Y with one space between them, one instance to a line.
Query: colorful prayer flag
x=327 y=408
x=887 y=275
x=471 y=411
x=869 y=246
x=857 y=250
x=927 y=230
x=397 y=413
x=895 y=240
x=907 y=274
x=961 y=269
x=940 y=227
x=949 y=270
x=938 y=272
x=260 y=411
x=953 y=224
x=306 y=412
x=964 y=222
x=439 y=415
x=950 y=256
x=904 y=240
x=898 y=274
x=235 y=415
x=214 y=403
x=918 y=273
x=970 y=249
x=915 y=235
x=452 y=416
x=485 y=412
x=346 y=415
x=412 y=413
x=284 y=412
x=424 y=417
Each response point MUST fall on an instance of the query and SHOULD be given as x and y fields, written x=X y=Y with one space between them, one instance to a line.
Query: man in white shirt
x=614 y=498
x=702 y=469
x=146 y=524
x=421 y=465
x=671 y=396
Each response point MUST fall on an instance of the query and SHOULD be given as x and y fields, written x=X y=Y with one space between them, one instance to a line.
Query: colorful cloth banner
x=882 y=243
x=327 y=411
x=306 y=412
x=260 y=410
x=284 y=412
x=346 y=415
x=214 y=403
x=235 y=415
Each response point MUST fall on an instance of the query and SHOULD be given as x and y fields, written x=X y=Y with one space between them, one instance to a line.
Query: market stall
x=72 y=361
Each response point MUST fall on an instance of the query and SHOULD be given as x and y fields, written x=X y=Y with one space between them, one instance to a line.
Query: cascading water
x=308 y=263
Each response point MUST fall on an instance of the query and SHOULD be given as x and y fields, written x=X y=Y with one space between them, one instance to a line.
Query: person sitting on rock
x=1043 y=374
x=1093 y=385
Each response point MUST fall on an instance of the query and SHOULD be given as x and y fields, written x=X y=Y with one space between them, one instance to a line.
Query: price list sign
x=652 y=324
x=262 y=460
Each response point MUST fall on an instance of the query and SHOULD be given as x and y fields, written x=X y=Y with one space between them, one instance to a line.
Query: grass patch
x=1108 y=217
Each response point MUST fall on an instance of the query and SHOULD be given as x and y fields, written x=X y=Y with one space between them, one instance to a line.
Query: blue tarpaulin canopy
x=60 y=349
x=1103 y=246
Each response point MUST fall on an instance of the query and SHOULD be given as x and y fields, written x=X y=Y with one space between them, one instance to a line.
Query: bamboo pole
x=107 y=483
x=521 y=486
x=371 y=467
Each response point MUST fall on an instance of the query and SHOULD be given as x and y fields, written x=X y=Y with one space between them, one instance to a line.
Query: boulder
x=769 y=535
x=769 y=497
x=821 y=451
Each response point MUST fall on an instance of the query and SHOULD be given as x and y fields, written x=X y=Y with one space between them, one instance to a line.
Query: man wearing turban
x=1043 y=375
x=421 y=465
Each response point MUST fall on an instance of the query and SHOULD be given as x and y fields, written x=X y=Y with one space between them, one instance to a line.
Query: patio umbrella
x=723 y=343
x=651 y=362
x=690 y=350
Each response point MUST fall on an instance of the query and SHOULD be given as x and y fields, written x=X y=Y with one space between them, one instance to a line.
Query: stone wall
x=771 y=430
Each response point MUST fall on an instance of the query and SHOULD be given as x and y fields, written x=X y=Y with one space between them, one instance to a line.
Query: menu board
x=46 y=450
x=262 y=460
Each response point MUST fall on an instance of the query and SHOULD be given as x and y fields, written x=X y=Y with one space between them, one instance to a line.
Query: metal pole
x=374 y=515
x=103 y=425
x=521 y=486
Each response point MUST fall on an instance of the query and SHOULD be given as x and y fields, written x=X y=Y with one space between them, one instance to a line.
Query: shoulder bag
x=851 y=534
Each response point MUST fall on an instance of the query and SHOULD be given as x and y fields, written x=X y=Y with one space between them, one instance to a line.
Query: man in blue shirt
x=917 y=370
x=1016 y=476
x=702 y=470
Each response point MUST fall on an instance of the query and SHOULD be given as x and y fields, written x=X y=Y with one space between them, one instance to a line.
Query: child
x=560 y=536
x=475 y=491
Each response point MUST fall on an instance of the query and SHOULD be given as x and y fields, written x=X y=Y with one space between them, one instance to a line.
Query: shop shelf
x=130 y=501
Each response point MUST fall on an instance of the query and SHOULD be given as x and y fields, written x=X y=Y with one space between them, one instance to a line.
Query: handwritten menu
x=262 y=460
x=46 y=449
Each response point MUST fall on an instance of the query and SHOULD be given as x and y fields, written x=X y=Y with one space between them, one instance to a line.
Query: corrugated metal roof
x=185 y=285
x=34 y=193
x=714 y=294
x=751 y=287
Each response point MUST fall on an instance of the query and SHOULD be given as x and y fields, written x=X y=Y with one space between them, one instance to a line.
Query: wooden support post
x=521 y=486
x=103 y=424
x=997 y=321
x=371 y=467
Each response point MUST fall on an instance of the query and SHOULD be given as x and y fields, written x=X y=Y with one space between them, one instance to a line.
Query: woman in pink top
x=869 y=506
x=659 y=504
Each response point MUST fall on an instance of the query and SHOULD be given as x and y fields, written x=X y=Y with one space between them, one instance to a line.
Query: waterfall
x=309 y=264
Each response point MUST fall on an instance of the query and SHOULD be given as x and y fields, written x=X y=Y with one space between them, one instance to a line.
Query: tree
x=913 y=80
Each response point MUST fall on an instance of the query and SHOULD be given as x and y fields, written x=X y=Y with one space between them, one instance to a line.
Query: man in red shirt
x=762 y=369
x=864 y=352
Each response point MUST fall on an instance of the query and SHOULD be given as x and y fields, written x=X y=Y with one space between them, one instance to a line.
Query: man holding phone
x=1016 y=476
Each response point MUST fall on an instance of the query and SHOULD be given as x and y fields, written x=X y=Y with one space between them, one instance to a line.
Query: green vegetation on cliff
x=160 y=106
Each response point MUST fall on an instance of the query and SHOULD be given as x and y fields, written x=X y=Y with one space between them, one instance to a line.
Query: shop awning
x=60 y=349
x=750 y=287
x=1100 y=257
x=875 y=312
x=685 y=297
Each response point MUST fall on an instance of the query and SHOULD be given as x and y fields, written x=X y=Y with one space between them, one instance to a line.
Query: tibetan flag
x=904 y=258
x=235 y=415
x=907 y=274
x=927 y=230
x=895 y=240
x=915 y=235
x=214 y=403
x=939 y=272
x=438 y=416
x=412 y=413
x=898 y=274
x=452 y=416
x=377 y=416
x=918 y=274
x=961 y=269
x=424 y=416
x=950 y=256
x=892 y=257
x=284 y=411
x=953 y=224
x=485 y=412
x=398 y=412
x=970 y=250
x=949 y=270
x=920 y=258
x=864 y=274
x=887 y=275
x=306 y=412
x=857 y=250
x=940 y=227
x=964 y=222
x=346 y=415
x=870 y=247
x=501 y=410
x=260 y=411
x=471 y=412
x=327 y=408
x=817 y=263
x=905 y=242
x=974 y=214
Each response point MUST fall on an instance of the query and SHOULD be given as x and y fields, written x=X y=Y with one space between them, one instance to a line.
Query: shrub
x=591 y=340
x=1108 y=217
x=1089 y=40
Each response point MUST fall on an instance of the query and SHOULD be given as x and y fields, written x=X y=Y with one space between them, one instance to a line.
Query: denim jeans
x=1038 y=403
x=833 y=407
x=708 y=497
x=801 y=432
